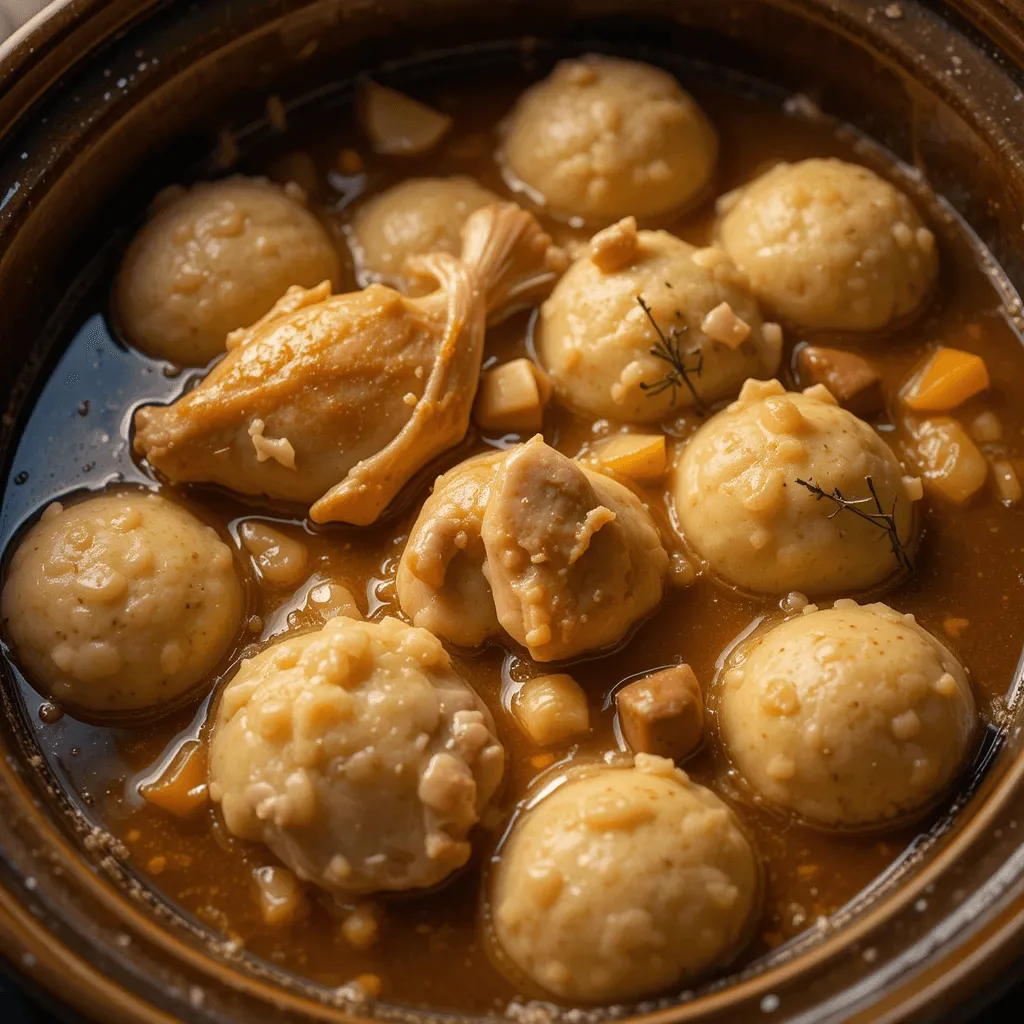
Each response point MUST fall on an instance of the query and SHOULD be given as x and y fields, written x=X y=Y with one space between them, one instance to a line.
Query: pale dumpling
x=215 y=258
x=573 y=558
x=847 y=716
x=441 y=582
x=830 y=245
x=121 y=603
x=357 y=754
x=601 y=138
x=622 y=883
x=562 y=558
x=413 y=218
x=338 y=400
x=606 y=353
x=741 y=506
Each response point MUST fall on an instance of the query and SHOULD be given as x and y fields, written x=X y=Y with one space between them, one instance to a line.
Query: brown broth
x=430 y=950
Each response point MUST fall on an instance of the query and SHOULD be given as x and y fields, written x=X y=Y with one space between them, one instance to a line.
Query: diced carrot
x=949 y=378
x=949 y=461
x=181 y=787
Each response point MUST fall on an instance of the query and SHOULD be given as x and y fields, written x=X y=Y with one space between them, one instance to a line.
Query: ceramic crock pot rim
x=20 y=928
x=25 y=32
x=80 y=982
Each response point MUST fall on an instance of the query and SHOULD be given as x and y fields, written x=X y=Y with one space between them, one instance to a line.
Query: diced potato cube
x=663 y=713
x=281 y=899
x=948 y=379
x=181 y=787
x=1007 y=481
x=551 y=709
x=724 y=326
x=512 y=397
x=914 y=487
x=638 y=456
x=851 y=379
x=398 y=125
x=987 y=428
x=361 y=927
x=948 y=460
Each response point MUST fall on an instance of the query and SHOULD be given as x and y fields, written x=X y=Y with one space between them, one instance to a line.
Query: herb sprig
x=879 y=517
x=668 y=349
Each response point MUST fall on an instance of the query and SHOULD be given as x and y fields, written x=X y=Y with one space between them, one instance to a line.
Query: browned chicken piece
x=854 y=382
x=338 y=400
x=563 y=558
x=441 y=582
x=663 y=713
x=573 y=558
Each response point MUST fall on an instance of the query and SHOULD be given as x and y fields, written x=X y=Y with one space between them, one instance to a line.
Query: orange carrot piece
x=181 y=787
x=948 y=380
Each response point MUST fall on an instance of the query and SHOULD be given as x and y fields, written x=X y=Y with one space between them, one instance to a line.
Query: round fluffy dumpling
x=573 y=558
x=850 y=716
x=830 y=245
x=740 y=506
x=215 y=258
x=441 y=582
x=357 y=754
x=595 y=339
x=415 y=217
x=623 y=882
x=121 y=603
x=601 y=138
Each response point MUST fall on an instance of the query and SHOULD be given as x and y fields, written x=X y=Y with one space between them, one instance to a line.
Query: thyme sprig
x=669 y=349
x=879 y=517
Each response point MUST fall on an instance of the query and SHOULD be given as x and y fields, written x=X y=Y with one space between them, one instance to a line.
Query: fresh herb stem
x=879 y=517
x=668 y=349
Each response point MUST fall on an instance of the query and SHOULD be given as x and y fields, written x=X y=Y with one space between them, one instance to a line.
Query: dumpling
x=622 y=883
x=441 y=583
x=741 y=506
x=563 y=559
x=605 y=334
x=852 y=715
x=830 y=245
x=358 y=755
x=338 y=400
x=602 y=138
x=121 y=603
x=213 y=259
x=413 y=218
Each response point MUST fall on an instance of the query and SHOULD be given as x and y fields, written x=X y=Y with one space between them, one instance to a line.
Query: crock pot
x=99 y=98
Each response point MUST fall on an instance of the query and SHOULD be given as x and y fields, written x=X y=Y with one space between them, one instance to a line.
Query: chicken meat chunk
x=567 y=560
x=441 y=583
x=337 y=400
